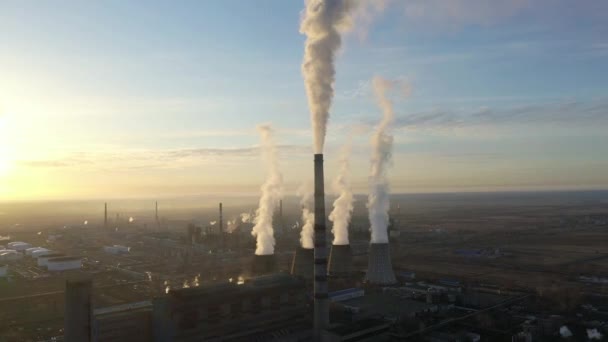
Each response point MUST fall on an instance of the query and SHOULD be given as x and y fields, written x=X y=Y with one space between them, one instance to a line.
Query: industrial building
x=231 y=310
x=43 y=260
x=64 y=264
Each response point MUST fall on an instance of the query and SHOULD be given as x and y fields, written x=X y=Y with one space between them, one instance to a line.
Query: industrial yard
x=500 y=252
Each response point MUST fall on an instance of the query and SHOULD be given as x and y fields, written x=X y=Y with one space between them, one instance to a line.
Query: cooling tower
x=263 y=264
x=379 y=268
x=303 y=263
x=340 y=260
x=321 y=319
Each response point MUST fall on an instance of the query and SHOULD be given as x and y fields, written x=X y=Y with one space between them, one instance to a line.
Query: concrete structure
x=379 y=268
x=64 y=264
x=78 y=310
x=263 y=264
x=340 y=260
x=321 y=304
x=303 y=263
x=128 y=322
x=43 y=260
x=229 y=311
x=3 y=270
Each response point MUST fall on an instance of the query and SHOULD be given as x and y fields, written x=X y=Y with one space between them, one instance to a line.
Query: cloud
x=567 y=113
x=166 y=159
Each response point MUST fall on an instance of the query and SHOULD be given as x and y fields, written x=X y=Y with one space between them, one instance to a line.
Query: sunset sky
x=161 y=98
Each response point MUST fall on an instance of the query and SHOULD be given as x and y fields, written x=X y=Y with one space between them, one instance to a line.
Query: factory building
x=231 y=310
x=43 y=260
x=64 y=264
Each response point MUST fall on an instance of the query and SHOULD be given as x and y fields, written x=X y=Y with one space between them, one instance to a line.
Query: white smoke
x=594 y=334
x=247 y=217
x=343 y=205
x=232 y=225
x=212 y=223
x=306 y=193
x=565 y=332
x=322 y=22
x=382 y=148
x=271 y=194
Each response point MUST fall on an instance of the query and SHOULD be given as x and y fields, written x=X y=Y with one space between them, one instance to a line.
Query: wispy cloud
x=164 y=159
x=567 y=113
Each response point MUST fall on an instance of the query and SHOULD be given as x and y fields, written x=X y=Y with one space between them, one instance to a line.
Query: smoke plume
x=323 y=21
x=271 y=193
x=382 y=147
x=343 y=205
x=306 y=193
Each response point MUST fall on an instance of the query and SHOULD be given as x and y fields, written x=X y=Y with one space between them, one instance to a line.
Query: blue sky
x=98 y=97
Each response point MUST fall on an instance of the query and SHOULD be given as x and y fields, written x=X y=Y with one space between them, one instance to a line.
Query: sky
x=161 y=98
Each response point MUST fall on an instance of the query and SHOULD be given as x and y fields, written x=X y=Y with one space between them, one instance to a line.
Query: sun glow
x=6 y=155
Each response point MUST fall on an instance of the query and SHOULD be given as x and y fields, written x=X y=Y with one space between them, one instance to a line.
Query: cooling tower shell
x=340 y=260
x=379 y=268
x=263 y=264
x=303 y=263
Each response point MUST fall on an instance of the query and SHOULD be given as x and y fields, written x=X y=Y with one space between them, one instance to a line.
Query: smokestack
x=221 y=227
x=281 y=225
x=78 y=310
x=105 y=216
x=380 y=268
x=156 y=211
x=303 y=263
x=321 y=319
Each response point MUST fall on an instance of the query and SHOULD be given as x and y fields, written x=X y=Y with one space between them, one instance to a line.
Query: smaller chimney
x=221 y=226
x=105 y=216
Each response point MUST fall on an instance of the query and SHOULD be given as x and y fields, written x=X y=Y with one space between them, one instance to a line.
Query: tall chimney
x=105 y=216
x=78 y=310
x=321 y=311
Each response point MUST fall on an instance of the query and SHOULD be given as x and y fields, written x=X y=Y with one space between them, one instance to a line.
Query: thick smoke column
x=382 y=146
x=322 y=23
x=306 y=193
x=343 y=205
x=271 y=194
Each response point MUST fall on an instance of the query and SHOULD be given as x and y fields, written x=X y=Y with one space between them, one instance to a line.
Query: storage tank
x=10 y=255
x=19 y=246
x=42 y=261
x=31 y=251
x=64 y=264
x=41 y=252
